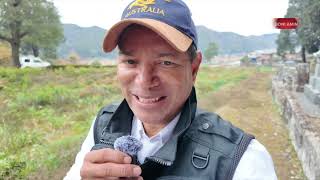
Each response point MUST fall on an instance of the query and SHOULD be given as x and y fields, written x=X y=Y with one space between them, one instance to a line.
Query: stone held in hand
x=128 y=144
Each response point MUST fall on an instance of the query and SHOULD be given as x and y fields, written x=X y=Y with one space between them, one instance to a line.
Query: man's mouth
x=149 y=100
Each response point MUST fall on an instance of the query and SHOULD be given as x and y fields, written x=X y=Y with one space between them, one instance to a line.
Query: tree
x=308 y=31
x=287 y=42
x=31 y=22
x=211 y=51
x=74 y=58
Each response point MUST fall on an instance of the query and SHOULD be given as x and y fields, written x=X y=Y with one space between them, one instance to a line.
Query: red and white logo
x=286 y=23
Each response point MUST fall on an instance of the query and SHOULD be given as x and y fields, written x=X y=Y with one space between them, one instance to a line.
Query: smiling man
x=155 y=78
x=157 y=68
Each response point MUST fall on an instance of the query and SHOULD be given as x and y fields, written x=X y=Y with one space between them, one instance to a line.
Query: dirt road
x=249 y=105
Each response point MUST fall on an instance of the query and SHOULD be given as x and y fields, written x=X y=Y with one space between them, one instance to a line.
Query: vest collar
x=167 y=154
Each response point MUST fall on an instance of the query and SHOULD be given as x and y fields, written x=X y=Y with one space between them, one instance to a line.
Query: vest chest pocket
x=182 y=178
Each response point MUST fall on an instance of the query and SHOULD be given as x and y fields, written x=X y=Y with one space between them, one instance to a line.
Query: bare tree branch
x=5 y=38
x=23 y=34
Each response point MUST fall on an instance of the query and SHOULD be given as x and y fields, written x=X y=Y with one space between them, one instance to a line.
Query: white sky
x=245 y=17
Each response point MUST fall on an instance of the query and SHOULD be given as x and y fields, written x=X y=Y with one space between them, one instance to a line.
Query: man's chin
x=147 y=117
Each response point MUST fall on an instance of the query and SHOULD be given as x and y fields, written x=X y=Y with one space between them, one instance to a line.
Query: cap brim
x=174 y=37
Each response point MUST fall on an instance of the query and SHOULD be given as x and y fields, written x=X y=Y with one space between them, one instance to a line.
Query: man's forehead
x=138 y=33
x=135 y=30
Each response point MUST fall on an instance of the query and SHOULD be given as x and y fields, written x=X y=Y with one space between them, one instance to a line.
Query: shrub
x=47 y=95
x=96 y=63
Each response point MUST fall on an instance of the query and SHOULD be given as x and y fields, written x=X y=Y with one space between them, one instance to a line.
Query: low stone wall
x=302 y=121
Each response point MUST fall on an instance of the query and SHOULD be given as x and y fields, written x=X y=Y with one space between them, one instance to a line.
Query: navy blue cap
x=171 y=19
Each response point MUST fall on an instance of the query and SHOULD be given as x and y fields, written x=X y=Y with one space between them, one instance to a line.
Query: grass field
x=45 y=114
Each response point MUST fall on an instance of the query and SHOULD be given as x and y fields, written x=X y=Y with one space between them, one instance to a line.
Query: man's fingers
x=110 y=170
x=132 y=178
x=107 y=155
x=108 y=178
x=118 y=170
x=116 y=178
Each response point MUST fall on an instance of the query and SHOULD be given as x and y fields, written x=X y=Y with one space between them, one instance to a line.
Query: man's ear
x=195 y=65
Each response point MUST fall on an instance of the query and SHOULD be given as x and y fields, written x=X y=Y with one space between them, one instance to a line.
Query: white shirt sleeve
x=74 y=172
x=255 y=164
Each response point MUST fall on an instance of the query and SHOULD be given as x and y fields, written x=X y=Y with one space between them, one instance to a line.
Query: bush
x=74 y=58
x=48 y=95
x=245 y=60
x=11 y=167
x=96 y=63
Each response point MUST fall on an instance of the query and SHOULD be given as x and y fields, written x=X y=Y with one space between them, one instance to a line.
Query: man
x=157 y=68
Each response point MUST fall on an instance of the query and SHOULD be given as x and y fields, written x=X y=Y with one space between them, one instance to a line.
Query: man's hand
x=109 y=164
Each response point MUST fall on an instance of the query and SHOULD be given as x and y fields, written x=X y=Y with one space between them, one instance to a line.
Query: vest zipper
x=154 y=159
x=106 y=142
x=160 y=161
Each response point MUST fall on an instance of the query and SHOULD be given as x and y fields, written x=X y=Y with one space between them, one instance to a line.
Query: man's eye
x=130 y=61
x=167 y=63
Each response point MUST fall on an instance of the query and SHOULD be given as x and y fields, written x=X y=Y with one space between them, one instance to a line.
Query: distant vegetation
x=211 y=51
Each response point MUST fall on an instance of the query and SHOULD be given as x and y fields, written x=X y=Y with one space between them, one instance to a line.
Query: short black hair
x=192 y=52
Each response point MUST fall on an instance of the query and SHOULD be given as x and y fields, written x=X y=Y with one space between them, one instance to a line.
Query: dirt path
x=249 y=106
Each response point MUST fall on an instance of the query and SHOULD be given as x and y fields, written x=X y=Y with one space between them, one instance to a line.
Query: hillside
x=84 y=41
x=87 y=41
x=232 y=43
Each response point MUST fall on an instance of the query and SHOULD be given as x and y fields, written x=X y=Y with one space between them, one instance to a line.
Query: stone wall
x=302 y=117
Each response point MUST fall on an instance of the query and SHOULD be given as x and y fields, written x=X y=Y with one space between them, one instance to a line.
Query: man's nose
x=147 y=76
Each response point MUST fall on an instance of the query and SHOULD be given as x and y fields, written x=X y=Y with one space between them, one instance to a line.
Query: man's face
x=155 y=79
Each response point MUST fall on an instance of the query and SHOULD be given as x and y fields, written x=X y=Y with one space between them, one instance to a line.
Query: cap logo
x=145 y=6
x=142 y=3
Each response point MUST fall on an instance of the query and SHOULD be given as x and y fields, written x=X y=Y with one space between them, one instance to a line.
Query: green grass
x=266 y=69
x=213 y=79
x=46 y=113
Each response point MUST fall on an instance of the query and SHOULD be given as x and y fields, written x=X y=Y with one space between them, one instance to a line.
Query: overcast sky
x=245 y=17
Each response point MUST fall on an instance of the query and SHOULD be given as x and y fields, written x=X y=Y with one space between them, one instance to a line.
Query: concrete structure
x=303 y=72
x=312 y=90
x=301 y=115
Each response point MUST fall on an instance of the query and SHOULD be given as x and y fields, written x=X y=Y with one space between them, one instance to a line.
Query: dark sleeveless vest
x=203 y=145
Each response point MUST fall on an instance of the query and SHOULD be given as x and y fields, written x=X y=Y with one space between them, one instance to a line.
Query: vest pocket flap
x=182 y=178
x=232 y=134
